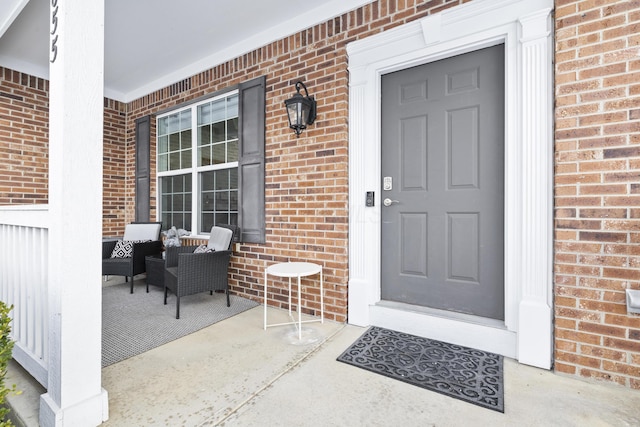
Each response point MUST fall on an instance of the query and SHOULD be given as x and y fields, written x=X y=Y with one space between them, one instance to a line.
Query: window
x=210 y=163
x=215 y=175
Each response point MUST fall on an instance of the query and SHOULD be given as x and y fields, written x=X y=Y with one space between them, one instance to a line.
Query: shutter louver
x=143 y=173
x=251 y=161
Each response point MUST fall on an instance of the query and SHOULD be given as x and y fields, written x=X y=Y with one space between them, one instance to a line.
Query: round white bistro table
x=291 y=270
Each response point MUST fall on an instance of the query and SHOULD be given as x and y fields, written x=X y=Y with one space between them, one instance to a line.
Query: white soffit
x=150 y=44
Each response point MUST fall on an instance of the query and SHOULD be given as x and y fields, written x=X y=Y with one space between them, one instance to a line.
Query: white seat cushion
x=141 y=232
x=220 y=238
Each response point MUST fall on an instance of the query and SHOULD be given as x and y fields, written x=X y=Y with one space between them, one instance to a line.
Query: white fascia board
x=9 y=11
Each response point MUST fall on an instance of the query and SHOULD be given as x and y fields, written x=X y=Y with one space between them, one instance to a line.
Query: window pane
x=172 y=123
x=162 y=126
x=178 y=220
x=222 y=201
x=163 y=144
x=232 y=128
x=233 y=218
x=185 y=139
x=233 y=202
x=208 y=202
x=232 y=106
x=232 y=151
x=163 y=163
x=207 y=222
x=204 y=137
x=178 y=183
x=218 y=132
x=174 y=142
x=219 y=153
x=187 y=201
x=174 y=161
x=204 y=156
x=222 y=180
x=207 y=181
x=166 y=221
x=178 y=202
x=218 y=110
x=186 y=159
x=204 y=114
x=233 y=178
x=185 y=119
x=222 y=218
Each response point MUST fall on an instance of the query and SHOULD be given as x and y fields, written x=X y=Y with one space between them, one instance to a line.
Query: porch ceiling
x=150 y=44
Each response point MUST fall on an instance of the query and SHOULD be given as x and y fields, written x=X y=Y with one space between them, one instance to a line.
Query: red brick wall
x=24 y=138
x=597 y=189
x=114 y=172
x=306 y=177
x=24 y=146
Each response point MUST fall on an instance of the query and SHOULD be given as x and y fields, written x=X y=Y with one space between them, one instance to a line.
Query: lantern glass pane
x=292 y=112
x=305 y=113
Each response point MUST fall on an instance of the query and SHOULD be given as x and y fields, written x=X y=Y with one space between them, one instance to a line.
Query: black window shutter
x=143 y=173
x=251 y=163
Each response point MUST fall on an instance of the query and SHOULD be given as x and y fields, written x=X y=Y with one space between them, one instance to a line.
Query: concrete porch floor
x=234 y=373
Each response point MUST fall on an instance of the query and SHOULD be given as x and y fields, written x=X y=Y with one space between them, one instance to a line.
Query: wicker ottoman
x=155 y=271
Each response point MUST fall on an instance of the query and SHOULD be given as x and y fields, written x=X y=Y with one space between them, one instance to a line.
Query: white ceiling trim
x=9 y=11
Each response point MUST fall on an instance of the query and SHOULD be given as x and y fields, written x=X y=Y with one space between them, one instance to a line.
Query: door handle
x=389 y=202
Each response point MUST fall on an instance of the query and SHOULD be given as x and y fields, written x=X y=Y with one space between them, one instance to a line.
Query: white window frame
x=194 y=170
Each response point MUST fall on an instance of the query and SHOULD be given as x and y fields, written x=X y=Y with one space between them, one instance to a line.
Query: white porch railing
x=24 y=283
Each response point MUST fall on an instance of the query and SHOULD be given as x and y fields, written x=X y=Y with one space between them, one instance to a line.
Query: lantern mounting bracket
x=301 y=110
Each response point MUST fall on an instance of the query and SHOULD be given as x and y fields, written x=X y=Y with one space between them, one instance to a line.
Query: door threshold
x=457 y=328
x=451 y=315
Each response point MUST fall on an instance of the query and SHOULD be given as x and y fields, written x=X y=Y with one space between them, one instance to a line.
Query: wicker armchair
x=135 y=264
x=189 y=273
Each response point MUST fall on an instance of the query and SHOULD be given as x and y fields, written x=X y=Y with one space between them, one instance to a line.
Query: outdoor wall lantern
x=301 y=110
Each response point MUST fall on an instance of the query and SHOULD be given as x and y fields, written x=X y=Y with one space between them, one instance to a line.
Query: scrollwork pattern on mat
x=461 y=372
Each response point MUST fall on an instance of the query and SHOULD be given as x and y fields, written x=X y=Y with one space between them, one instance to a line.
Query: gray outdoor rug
x=139 y=322
x=464 y=373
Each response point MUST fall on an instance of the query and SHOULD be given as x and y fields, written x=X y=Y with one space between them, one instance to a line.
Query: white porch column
x=74 y=394
x=535 y=334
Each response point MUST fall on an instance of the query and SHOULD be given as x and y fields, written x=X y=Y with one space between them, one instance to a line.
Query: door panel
x=443 y=148
x=463 y=144
x=414 y=174
x=414 y=248
x=464 y=253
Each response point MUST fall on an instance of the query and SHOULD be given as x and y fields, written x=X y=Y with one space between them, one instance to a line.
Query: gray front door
x=443 y=176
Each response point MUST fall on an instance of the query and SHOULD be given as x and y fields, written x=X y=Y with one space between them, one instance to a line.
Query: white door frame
x=524 y=26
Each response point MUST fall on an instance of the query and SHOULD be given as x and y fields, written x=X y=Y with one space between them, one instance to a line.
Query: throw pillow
x=203 y=249
x=124 y=248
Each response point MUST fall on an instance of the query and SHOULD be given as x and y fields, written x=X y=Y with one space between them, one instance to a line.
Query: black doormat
x=464 y=373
